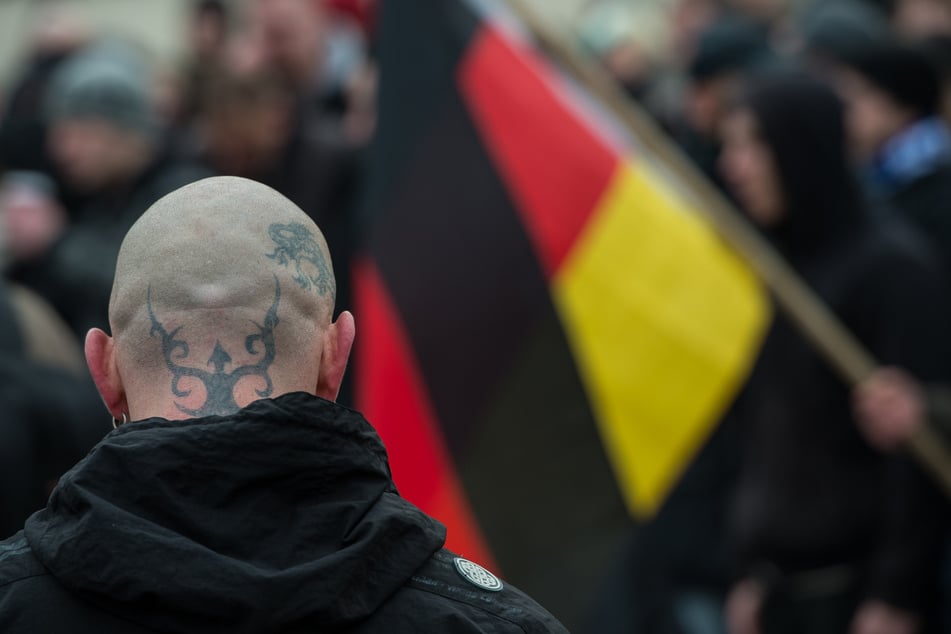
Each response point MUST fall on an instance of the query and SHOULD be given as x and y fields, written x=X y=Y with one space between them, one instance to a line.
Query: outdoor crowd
x=827 y=123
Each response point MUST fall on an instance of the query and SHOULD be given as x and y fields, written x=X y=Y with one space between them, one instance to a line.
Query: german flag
x=548 y=332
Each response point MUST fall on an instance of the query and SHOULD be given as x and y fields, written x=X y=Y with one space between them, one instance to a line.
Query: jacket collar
x=284 y=512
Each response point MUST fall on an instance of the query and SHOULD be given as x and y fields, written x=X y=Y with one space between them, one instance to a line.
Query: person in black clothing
x=830 y=535
x=242 y=498
x=894 y=93
x=104 y=141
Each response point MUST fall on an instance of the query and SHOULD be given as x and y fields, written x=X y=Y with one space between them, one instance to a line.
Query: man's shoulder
x=17 y=562
x=466 y=594
x=25 y=585
x=32 y=600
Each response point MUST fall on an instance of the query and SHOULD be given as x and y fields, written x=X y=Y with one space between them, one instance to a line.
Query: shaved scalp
x=224 y=288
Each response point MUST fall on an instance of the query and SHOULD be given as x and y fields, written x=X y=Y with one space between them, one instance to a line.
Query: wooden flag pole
x=814 y=319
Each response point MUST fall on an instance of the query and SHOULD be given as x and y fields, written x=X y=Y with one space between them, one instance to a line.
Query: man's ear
x=101 y=359
x=338 y=340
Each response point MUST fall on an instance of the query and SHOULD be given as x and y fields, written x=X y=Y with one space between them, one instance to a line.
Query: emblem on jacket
x=477 y=575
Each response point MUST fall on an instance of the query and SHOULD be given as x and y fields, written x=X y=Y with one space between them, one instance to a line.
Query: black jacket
x=812 y=492
x=924 y=202
x=280 y=518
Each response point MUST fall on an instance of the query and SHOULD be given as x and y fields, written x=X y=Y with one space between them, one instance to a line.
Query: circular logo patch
x=477 y=575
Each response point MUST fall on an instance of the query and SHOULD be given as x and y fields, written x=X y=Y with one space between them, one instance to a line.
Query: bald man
x=234 y=494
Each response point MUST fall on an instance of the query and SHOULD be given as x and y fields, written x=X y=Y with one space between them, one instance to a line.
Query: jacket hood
x=283 y=515
x=802 y=121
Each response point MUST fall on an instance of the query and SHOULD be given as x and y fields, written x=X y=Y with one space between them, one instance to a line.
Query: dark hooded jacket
x=280 y=518
x=812 y=493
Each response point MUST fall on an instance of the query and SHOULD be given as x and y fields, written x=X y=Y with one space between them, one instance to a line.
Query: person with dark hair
x=235 y=495
x=829 y=533
x=894 y=92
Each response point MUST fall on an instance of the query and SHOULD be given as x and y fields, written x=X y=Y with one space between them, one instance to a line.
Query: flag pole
x=814 y=319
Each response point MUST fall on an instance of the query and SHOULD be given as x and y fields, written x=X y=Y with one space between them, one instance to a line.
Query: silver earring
x=116 y=422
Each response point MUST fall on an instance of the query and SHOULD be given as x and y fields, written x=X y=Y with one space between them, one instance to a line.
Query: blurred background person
x=318 y=52
x=902 y=144
x=829 y=534
x=104 y=140
x=725 y=52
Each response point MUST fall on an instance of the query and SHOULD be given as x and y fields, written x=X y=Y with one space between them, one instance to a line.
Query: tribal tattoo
x=219 y=383
x=295 y=243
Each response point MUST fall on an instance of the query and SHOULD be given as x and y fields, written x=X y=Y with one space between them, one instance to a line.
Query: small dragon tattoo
x=219 y=383
x=295 y=243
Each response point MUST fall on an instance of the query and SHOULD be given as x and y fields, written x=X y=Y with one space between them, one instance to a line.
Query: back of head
x=223 y=292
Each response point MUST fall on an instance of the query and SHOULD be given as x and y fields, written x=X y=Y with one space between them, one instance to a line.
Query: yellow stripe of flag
x=664 y=322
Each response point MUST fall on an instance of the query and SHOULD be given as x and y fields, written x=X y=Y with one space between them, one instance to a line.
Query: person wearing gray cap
x=104 y=140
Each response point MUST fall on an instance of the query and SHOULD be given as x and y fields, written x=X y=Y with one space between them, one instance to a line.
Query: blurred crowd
x=826 y=122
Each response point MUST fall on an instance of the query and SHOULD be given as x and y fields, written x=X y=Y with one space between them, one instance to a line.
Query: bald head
x=220 y=242
x=224 y=293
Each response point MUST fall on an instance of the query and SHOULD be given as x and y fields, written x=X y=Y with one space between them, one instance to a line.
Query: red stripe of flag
x=392 y=395
x=555 y=167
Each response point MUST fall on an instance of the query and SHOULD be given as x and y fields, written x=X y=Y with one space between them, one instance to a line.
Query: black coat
x=813 y=493
x=280 y=518
x=926 y=202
